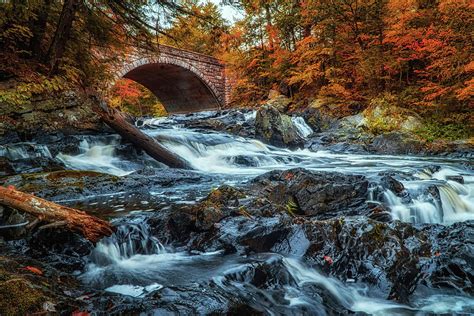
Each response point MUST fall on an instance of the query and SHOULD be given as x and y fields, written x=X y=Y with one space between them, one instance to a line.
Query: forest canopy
x=414 y=53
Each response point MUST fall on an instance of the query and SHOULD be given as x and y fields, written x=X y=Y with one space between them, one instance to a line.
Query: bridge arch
x=183 y=81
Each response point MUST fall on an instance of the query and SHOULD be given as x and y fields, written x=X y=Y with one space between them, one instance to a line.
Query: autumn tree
x=199 y=29
x=355 y=50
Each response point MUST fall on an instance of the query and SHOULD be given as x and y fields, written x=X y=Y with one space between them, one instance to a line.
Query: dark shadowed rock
x=395 y=257
x=395 y=143
x=318 y=120
x=6 y=168
x=393 y=185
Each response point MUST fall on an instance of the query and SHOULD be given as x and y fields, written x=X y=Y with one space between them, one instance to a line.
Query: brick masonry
x=210 y=71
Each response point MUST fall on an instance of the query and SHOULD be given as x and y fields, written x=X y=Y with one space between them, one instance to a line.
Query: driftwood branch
x=56 y=215
x=118 y=122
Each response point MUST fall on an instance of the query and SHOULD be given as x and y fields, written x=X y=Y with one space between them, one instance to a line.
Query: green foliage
x=291 y=208
x=22 y=93
x=452 y=128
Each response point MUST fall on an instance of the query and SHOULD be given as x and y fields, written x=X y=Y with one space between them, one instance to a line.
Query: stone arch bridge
x=184 y=81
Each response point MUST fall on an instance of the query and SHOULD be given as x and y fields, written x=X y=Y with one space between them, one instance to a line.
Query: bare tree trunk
x=117 y=122
x=62 y=34
x=39 y=29
x=89 y=226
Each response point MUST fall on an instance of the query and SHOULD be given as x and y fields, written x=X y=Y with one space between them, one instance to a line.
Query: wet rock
x=395 y=257
x=379 y=212
x=395 y=143
x=6 y=168
x=219 y=203
x=9 y=137
x=31 y=287
x=234 y=121
x=318 y=120
x=12 y=223
x=278 y=101
x=37 y=164
x=452 y=264
x=391 y=184
x=458 y=179
x=276 y=128
x=72 y=184
x=322 y=194
x=210 y=123
x=346 y=147
x=243 y=160
x=61 y=249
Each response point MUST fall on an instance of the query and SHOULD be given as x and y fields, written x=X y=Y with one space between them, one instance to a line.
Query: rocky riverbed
x=277 y=217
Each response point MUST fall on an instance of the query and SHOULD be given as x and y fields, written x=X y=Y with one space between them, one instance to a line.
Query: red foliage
x=33 y=270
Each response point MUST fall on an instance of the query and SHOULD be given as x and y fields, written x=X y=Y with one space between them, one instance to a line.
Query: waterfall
x=127 y=241
x=455 y=202
x=356 y=299
x=20 y=151
x=249 y=116
x=226 y=155
x=302 y=128
x=95 y=156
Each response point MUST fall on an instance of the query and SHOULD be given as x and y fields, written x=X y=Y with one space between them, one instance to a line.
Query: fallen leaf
x=33 y=269
x=328 y=259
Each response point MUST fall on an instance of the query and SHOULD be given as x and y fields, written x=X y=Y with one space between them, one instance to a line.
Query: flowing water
x=134 y=263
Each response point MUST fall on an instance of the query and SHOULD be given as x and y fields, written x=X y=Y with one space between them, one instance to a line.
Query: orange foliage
x=356 y=49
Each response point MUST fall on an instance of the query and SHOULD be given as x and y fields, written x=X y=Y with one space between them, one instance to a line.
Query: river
x=136 y=263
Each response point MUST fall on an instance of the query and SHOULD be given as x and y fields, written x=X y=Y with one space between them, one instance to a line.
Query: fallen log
x=117 y=121
x=89 y=226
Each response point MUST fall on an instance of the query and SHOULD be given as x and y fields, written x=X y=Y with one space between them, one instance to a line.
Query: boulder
x=397 y=258
x=218 y=204
x=278 y=101
x=382 y=116
x=276 y=128
x=320 y=194
x=318 y=120
x=396 y=143
x=388 y=182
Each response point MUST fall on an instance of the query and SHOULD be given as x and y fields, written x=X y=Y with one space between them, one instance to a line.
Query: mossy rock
x=65 y=183
x=20 y=297
x=215 y=206
x=383 y=116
